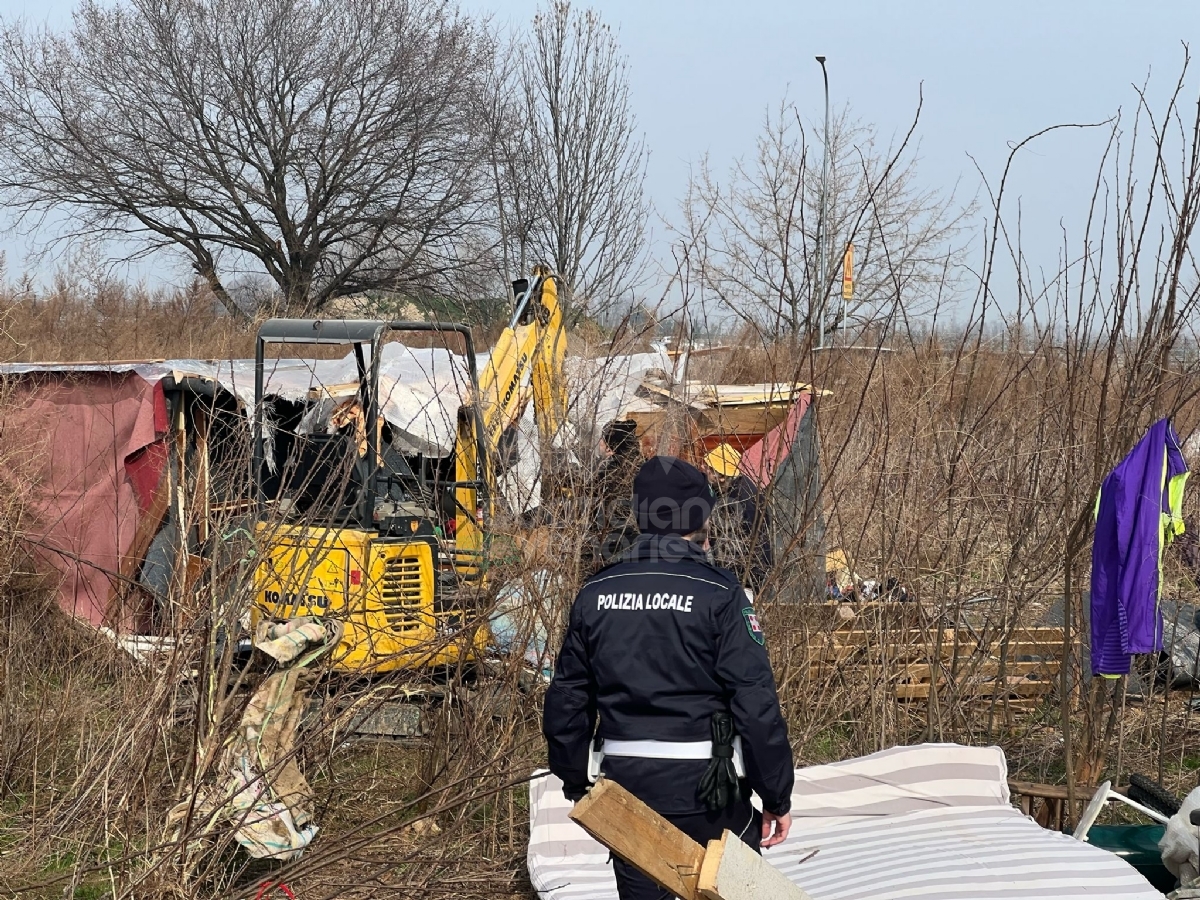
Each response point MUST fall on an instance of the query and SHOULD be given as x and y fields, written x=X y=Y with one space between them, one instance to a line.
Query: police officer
x=614 y=528
x=663 y=670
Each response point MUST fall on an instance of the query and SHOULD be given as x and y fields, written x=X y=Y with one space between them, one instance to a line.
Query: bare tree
x=333 y=145
x=570 y=165
x=753 y=235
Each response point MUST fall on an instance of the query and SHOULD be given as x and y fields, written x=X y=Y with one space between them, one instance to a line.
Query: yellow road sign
x=848 y=273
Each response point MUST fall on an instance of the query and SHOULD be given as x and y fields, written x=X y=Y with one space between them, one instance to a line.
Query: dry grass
x=954 y=484
x=118 y=321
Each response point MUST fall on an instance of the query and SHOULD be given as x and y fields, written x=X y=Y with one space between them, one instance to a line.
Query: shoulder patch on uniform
x=752 y=625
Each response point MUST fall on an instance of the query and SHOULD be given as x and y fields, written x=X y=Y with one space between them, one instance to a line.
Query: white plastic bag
x=1179 y=842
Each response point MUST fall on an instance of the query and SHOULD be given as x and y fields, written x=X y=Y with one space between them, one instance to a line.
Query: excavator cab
x=353 y=527
x=389 y=537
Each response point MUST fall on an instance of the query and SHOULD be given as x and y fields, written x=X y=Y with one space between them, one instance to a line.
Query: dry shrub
x=77 y=738
x=947 y=468
x=118 y=321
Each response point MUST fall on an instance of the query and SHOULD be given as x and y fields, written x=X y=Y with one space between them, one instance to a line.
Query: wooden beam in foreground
x=727 y=870
x=641 y=837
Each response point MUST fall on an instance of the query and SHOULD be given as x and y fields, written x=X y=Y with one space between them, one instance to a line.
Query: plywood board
x=726 y=870
x=732 y=871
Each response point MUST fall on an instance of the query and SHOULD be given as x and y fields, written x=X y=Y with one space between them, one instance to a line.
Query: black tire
x=1149 y=792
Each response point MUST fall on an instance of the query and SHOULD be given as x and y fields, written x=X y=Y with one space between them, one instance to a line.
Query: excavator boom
x=526 y=363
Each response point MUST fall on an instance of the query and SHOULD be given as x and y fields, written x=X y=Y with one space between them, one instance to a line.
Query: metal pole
x=845 y=302
x=822 y=273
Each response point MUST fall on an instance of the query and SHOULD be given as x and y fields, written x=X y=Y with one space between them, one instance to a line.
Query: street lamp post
x=822 y=272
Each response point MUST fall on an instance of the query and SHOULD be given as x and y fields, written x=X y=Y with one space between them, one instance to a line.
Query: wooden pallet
x=1048 y=804
x=1023 y=668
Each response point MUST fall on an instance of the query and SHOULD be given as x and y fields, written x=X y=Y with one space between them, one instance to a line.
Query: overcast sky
x=705 y=73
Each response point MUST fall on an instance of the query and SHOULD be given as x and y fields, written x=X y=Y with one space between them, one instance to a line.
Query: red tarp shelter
x=762 y=460
x=94 y=445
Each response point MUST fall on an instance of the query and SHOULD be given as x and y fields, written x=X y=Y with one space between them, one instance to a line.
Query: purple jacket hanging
x=1139 y=510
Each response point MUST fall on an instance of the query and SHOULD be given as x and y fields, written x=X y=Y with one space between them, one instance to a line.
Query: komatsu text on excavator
x=357 y=526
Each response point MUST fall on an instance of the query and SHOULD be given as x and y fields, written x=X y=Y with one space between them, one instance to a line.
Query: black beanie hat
x=671 y=496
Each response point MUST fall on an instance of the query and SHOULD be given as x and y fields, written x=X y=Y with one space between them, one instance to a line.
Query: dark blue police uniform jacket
x=657 y=642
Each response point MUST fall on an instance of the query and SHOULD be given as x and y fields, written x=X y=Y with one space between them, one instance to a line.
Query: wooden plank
x=201 y=513
x=147 y=528
x=921 y=671
x=1036 y=634
x=898 y=654
x=1015 y=687
x=196 y=566
x=1049 y=791
x=1046 y=633
x=970 y=668
x=732 y=871
x=1017 y=649
x=921 y=645
x=335 y=391
x=641 y=837
x=899 y=637
x=177 y=479
x=1042 y=637
x=925 y=654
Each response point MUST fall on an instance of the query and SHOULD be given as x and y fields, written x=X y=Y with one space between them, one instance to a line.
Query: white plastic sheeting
x=599 y=390
x=421 y=391
x=603 y=388
x=422 y=388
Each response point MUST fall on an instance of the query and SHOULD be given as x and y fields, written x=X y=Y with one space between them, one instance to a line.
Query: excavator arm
x=546 y=376
x=526 y=361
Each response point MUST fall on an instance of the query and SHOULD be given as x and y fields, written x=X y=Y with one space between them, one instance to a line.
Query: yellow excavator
x=390 y=539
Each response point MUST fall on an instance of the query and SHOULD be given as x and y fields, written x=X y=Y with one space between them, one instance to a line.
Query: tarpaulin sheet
x=87 y=441
x=761 y=461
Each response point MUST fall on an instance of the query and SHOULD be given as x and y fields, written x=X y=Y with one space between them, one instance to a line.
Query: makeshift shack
x=773 y=426
x=139 y=470
x=119 y=463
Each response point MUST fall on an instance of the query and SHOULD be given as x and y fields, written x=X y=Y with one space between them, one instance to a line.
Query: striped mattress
x=931 y=822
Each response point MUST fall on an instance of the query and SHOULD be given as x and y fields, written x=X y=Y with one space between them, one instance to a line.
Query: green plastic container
x=1138 y=846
